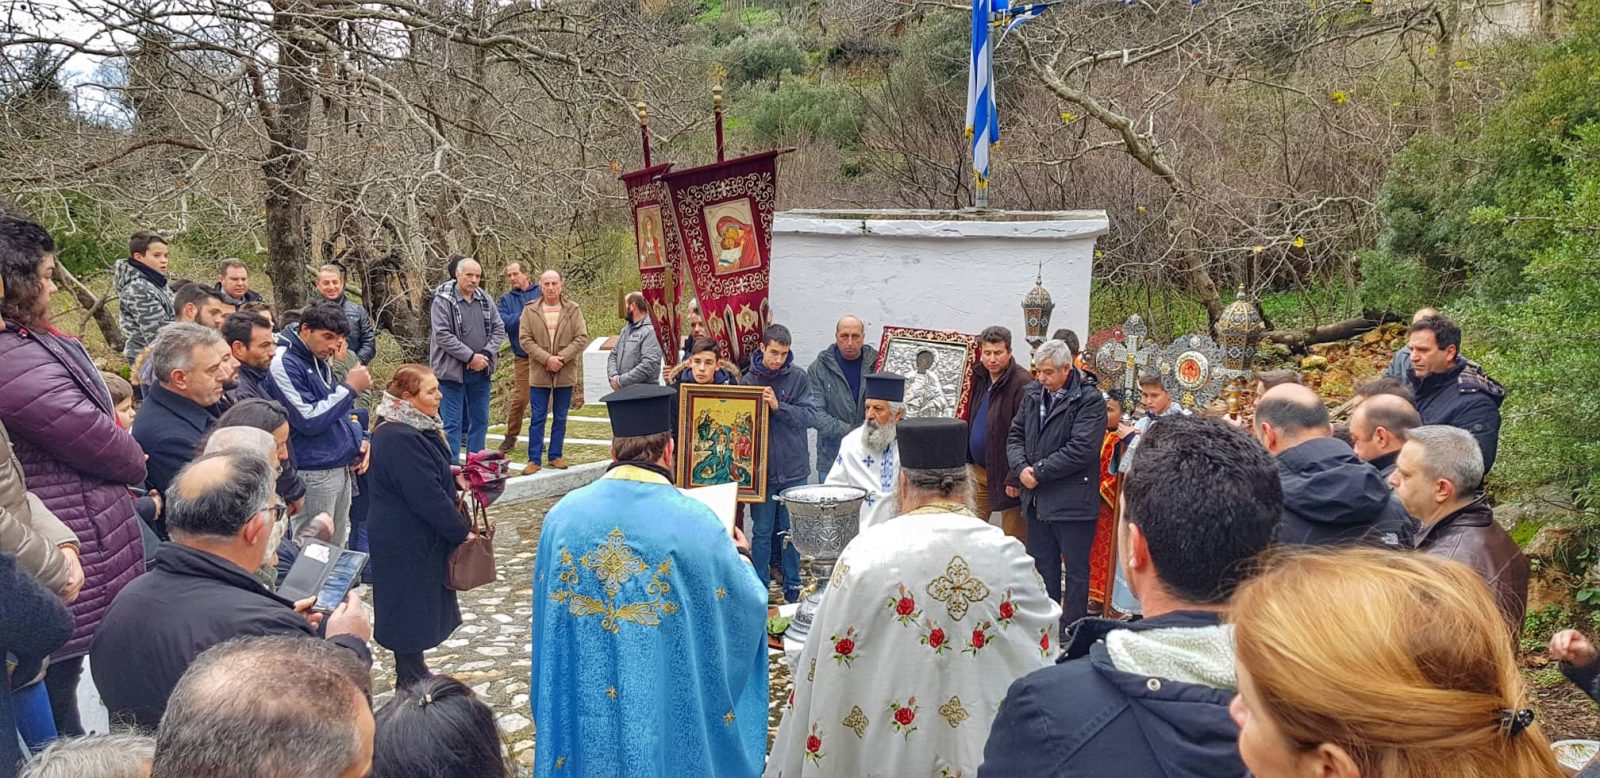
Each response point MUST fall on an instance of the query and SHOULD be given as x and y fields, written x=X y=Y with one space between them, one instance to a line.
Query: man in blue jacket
x=794 y=409
x=1451 y=390
x=326 y=441
x=521 y=292
x=1150 y=698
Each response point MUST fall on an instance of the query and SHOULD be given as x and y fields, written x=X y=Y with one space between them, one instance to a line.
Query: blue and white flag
x=983 y=120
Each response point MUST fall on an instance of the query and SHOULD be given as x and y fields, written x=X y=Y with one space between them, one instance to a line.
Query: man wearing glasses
x=200 y=592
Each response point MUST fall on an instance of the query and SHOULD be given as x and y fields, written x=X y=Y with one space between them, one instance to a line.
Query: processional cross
x=1133 y=354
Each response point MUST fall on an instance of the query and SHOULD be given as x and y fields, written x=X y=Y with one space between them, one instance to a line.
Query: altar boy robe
x=879 y=474
x=928 y=619
x=649 y=637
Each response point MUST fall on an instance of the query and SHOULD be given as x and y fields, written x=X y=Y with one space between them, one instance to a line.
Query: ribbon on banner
x=659 y=252
x=724 y=216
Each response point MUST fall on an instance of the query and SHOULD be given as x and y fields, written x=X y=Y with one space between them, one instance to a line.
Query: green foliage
x=797 y=110
x=89 y=234
x=1509 y=204
x=1461 y=204
x=1394 y=283
x=764 y=57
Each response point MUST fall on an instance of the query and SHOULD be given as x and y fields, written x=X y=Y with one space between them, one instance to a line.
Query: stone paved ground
x=490 y=651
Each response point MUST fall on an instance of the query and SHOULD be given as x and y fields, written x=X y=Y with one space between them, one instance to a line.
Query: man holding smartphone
x=200 y=592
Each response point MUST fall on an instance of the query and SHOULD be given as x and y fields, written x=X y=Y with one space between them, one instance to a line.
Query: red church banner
x=723 y=213
x=658 y=251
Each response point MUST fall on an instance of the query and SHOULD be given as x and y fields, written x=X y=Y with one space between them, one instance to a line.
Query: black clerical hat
x=641 y=409
x=890 y=387
x=932 y=443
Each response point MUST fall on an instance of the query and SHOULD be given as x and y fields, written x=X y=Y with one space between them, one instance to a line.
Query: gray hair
x=218 y=722
x=258 y=442
x=230 y=263
x=118 y=755
x=1450 y=453
x=1055 y=352
x=173 y=348
x=897 y=407
x=219 y=507
x=939 y=483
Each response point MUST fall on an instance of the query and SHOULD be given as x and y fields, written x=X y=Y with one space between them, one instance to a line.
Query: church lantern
x=1036 y=309
x=1238 y=331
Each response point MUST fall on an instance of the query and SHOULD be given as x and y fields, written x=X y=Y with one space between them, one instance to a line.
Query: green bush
x=764 y=57
x=798 y=111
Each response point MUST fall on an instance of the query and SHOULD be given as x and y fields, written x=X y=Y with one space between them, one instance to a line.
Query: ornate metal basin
x=823 y=519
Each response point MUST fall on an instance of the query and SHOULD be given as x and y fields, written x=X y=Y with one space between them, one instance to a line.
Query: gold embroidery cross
x=614 y=563
x=728 y=719
x=957 y=588
x=721 y=592
x=611 y=691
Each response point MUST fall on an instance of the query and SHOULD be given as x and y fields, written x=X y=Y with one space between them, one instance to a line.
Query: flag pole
x=644 y=128
x=981 y=182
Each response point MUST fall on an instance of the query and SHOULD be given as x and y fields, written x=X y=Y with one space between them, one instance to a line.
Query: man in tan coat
x=553 y=334
x=45 y=548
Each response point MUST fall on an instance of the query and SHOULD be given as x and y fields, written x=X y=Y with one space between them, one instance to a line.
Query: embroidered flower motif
x=811 y=674
x=791 y=698
x=814 y=745
x=1044 y=641
x=957 y=588
x=933 y=637
x=905 y=716
x=953 y=712
x=844 y=646
x=905 y=607
x=838 y=576
x=1007 y=610
x=857 y=721
x=980 y=638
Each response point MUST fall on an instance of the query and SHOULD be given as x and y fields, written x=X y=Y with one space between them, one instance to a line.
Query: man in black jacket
x=1378 y=429
x=189 y=363
x=1329 y=496
x=1451 y=390
x=1150 y=698
x=199 y=591
x=1053 y=449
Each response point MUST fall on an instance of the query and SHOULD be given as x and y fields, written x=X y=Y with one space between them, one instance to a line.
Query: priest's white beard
x=876 y=439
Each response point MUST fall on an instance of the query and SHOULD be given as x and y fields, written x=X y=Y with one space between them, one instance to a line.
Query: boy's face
x=125 y=414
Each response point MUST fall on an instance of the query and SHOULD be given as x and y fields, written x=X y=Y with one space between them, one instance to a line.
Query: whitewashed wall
x=929 y=269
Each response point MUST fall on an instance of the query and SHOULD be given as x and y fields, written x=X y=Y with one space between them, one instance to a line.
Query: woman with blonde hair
x=1371 y=664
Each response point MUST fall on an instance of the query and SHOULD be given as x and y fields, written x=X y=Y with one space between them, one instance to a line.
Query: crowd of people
x=1050 y=584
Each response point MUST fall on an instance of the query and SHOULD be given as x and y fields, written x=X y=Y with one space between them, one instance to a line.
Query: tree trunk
x=1443 y=113
x=96 y=308
x=285 y=166
x=1299 y=340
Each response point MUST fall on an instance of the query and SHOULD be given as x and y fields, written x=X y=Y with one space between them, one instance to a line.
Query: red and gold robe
x=1102 y=565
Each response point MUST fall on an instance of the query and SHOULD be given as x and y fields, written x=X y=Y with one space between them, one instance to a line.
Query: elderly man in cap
x=930 y=618
x=869 y=456
x=644 y=603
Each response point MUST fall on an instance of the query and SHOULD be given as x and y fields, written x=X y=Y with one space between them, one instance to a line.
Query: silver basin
x=823 y=519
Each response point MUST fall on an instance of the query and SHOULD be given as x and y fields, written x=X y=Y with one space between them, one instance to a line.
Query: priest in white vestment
x=928 y=619
x=869 y=456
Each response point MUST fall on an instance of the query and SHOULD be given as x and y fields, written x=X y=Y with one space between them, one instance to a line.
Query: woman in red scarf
x=1102 y=557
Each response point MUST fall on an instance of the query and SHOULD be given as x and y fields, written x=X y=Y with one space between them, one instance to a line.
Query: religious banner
x=1192 y=370
x=723 y=215
x=657 y=251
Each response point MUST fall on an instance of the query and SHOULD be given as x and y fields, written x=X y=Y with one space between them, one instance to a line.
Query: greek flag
x=983 y=120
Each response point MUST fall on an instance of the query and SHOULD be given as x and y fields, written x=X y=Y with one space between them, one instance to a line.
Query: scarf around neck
x=397 y=410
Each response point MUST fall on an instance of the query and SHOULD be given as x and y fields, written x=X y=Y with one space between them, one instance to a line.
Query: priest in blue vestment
x=649 y=625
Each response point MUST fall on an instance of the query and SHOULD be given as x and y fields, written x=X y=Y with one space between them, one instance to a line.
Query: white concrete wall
x=928 y=269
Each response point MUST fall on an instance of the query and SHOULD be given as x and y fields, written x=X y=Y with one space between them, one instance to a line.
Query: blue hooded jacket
x=788 y=453
x=320 y=430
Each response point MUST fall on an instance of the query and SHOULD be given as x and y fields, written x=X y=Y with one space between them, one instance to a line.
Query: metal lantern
x=1036 y=309
x=1238 y=332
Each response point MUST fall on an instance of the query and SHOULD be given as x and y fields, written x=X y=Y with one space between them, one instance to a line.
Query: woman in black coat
x=413 y=525
x=33 y=623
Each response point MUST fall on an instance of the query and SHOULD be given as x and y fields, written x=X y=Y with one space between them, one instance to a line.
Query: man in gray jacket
x=637 y=357
x=464 y=339
x=835 y=377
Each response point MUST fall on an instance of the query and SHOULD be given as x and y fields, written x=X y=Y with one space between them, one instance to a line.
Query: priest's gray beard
x=876 y=439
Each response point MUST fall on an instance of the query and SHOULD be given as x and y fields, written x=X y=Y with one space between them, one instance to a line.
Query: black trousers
x=1053 y=544
x=61 y=682
x=409 y=668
